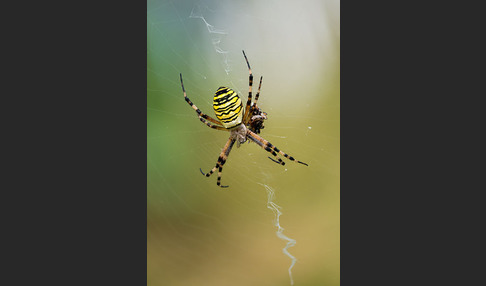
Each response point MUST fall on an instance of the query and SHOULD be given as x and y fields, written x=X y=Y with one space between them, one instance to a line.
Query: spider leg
x=281 y=162
x=265 y=146
x=254 y=104
x=271 y=148
x=203 y=117
x=258 y=92
x=214 y=126
x=248 y=102
x=221 y=160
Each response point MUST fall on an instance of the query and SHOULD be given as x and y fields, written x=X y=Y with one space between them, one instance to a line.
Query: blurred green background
x=198 y=233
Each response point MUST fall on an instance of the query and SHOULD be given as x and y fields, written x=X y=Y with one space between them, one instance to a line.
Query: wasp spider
x=242 y=124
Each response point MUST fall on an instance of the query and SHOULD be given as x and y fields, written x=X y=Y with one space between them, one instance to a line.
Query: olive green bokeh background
x=198 y=233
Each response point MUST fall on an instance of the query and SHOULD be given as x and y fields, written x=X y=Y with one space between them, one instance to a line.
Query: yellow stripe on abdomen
x=228 y=107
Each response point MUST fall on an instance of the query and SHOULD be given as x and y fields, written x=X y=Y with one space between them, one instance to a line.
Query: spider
x=242 y=124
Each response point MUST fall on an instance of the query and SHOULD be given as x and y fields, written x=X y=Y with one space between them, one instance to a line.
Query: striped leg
x=248 y=102
x=258 y=92
x=203 y=117
x=211 y=125
x=221 y=160
x=271 y=149
x=254 y=104
x=268 y=149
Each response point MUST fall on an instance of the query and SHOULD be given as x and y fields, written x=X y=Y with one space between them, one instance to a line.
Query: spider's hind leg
x=221 y=160
x=218 y=166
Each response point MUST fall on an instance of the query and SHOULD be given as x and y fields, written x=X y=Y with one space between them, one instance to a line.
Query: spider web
x=198 y=233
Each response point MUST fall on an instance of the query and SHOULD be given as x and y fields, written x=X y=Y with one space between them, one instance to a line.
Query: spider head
x=256 y=120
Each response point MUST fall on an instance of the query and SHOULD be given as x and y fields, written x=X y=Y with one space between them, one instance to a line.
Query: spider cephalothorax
x=243 y=124
x=256 y=119
x=240 y=134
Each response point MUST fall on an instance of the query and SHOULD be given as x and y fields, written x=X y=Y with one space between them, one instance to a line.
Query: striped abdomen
x=228 y=107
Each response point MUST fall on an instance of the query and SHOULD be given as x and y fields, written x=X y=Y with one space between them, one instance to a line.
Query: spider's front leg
x=271 y=149
x=247 y=113
x=221 y=160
